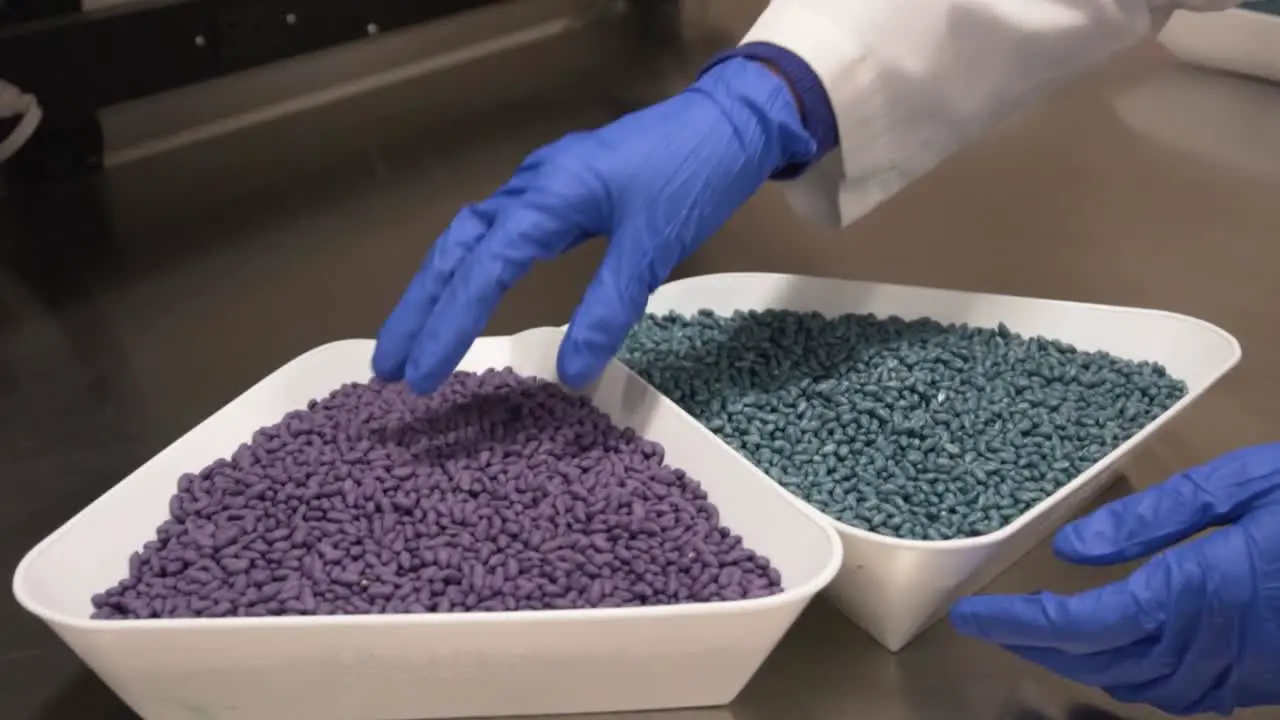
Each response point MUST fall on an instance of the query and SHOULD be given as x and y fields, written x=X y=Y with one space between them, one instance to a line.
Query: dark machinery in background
x=79 y=58
x=77 y=62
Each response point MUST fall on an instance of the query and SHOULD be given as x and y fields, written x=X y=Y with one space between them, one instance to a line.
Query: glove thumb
x=614 y=302
x=1217 y=493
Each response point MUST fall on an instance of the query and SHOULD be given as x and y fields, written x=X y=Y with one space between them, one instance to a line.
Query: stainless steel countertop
x=134 y=306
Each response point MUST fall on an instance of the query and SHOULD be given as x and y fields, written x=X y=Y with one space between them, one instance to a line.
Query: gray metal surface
x=136 y=306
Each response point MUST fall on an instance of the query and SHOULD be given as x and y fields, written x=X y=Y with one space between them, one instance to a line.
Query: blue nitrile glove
x=1196 y=628
x=657 y=182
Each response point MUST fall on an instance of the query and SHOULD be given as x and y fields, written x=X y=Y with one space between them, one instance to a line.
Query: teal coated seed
x=908 y=428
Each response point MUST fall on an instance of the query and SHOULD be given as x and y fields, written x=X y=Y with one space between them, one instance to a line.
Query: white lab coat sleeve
x=911 y=81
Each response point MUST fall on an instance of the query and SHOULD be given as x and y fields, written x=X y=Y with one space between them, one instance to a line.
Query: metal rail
x=88 y=60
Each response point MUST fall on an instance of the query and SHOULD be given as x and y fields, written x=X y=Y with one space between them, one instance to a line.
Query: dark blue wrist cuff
x=815 y=105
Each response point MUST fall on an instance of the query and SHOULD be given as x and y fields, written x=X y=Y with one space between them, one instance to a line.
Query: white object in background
x=1241 y=41
x=15 y=102
x=895 y=588
x=453 y=665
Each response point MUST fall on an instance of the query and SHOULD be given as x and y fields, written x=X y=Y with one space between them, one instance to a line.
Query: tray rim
x=800 y=593
x=1078 y=483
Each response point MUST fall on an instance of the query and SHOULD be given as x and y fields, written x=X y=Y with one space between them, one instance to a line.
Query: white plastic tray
x=426 y=666
x=895 y=588
x=1241 y=41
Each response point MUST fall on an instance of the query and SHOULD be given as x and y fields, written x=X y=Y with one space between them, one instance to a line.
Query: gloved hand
x=1196 y=628
x=657 y=182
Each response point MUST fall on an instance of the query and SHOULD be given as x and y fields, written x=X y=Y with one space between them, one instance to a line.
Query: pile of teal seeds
x=912 y=429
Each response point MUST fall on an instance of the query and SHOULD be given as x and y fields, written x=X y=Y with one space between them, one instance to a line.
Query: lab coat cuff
x=814 y=105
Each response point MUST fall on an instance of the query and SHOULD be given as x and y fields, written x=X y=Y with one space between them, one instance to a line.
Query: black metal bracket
x=84 y=61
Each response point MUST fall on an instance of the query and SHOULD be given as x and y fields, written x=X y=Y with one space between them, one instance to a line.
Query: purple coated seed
x=494 y=493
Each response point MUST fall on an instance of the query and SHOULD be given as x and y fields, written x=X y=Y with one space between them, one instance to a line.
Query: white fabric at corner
x=911 y=81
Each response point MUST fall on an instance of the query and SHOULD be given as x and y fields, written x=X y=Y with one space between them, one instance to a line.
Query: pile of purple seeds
x=496 y=492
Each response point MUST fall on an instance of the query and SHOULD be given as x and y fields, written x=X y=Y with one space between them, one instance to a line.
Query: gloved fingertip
x=576 y=366
x=971 y=615
x=1069 y=545
x=1089 y=541
x=595 y=333
x=422 y=385
x=388 y=365
x=423 y=380
x=962 y=617
x=395 y=338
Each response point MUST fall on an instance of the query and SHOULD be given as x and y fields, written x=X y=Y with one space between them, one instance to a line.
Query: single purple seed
x=234 y=565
